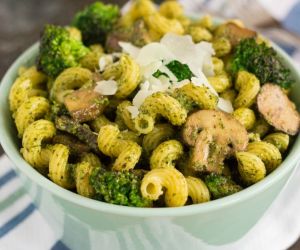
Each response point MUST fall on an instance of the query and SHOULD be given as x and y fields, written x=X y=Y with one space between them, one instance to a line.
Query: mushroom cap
x=277 y=109
x=214 y=136
x=222 y=126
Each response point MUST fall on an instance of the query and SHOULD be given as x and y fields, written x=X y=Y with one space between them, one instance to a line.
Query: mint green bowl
x=88 y=224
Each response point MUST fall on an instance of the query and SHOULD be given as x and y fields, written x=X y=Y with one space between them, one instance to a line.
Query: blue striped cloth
x=21 y=224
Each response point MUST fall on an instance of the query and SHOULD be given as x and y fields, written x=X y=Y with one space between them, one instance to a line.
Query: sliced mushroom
x=214 y=135
x=234 y=33
x=84 y=104
x=277 y=109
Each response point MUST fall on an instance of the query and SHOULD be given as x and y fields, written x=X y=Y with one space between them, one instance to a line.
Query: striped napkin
x=21 y=224
x=23 y=227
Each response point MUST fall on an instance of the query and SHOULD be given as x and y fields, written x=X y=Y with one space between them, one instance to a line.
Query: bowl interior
x=11 y=145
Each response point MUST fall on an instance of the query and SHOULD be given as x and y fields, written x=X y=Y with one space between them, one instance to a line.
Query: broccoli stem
x=81 y=131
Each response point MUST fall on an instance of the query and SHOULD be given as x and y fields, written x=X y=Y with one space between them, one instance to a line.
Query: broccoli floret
x=181 y=71
x=221 y=186
x=262 y=61
x=119 y=187
x=59 y=50
x=95 y=21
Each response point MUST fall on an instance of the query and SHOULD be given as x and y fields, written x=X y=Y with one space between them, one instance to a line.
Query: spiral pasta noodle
x=229 y=95
x=127 y=152
x=101 y=121
x=172 y=180
x=279 y=140
x=83 y=172
x=197 y=190
x=220 y=82
x=267 y=152
x=127 y=74
x=159 y=134
x=166 y=154
x=138 y=9
x=159 y=104
x=124 y=116
x=245 y=116
x=33 y=151
x=190 y=95
x=199 y=34
x=171 y=9
x=69 y=80
x=251 y=167
x=248 y=86
x=29 y=83
x=32 y=109
x=91 y=59
x=160 y=25
x=60 y=172
x=218 y=65
x=261 y=127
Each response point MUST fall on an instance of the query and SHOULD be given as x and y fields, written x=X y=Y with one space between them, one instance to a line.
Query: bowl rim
x=14 y=154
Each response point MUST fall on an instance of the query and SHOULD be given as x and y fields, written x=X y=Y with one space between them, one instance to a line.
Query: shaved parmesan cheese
x=148 y=70
x=108 y=87
x=134 y=111
x=155 y=56
x=130 y=49
x=104 y=61
x=164 y=69
x=225 y=105
x=154 y=52
x=140 y=97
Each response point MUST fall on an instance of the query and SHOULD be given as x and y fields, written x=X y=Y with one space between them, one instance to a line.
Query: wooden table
x=22 y=21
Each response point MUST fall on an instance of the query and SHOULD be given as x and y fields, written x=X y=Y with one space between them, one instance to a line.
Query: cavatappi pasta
x=155 y=112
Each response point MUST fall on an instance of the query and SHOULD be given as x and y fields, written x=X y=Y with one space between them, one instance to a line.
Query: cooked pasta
x=197 y=190
x=91 y=60
x=83 y=172
x=34 y=151
x=34 y=108
x=220 y=82
x=127 y=152
x=251 y=167
x=171 y=9
x=218 y=65
x=126 y=72
x=159 y=134
x=69 y=80
x=29 y=83
x=60 y=172
x=206 y=22
x=222 y=46
x=170 y=179
x=161 y=25
x=101 y=121
x=245 y=116
x=261 y=127
x=267 y=152
x=200 y=96
x=248 y=86
x=199 y=34
x=166 y=154
x=229 y=95
x=279 y=140
x=124 y=116
x=159 y=104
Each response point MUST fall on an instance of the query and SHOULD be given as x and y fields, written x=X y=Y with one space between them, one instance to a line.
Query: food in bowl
x=152 y=108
